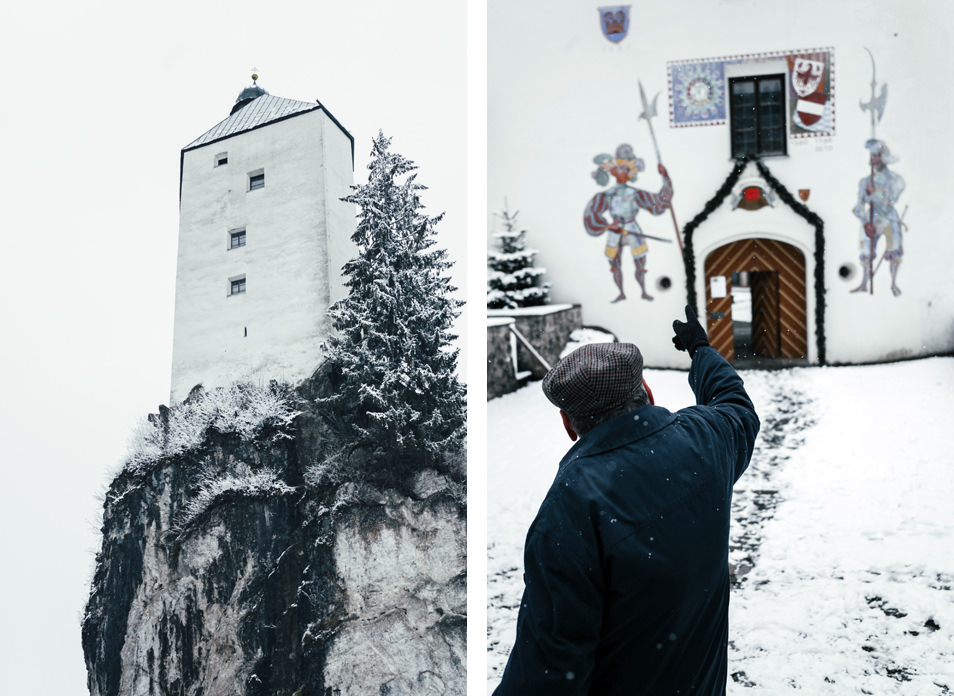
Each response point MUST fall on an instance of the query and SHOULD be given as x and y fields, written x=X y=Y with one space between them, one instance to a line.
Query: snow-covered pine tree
x=399 y=397
x=513 y=280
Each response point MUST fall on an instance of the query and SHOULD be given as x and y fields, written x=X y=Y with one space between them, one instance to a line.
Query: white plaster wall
x=560 y=93
x=298 y=233
x=340 y=217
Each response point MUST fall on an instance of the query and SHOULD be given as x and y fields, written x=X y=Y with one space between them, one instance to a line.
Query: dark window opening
x=256 y=181
x=757 y=108
x=237 y=239
x=237 y=286
x=221 y=159
x=741 y=293
x=756 y=323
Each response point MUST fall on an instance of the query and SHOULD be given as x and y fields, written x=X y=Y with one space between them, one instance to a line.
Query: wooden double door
x=776 y=281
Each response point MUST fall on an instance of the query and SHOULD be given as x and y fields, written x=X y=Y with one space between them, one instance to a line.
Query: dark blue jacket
x=626 y=564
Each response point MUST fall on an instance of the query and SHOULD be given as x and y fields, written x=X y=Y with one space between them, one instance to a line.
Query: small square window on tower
x=237 y=285
x=256 y=180
x=236 y=239
x=221 y=158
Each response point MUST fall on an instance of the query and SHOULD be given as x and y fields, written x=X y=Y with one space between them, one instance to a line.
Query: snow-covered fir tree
x=399 y=398
x=512 y=280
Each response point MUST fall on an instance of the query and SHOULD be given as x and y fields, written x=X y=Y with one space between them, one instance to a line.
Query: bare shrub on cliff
x=244 y=481
x=243 y=409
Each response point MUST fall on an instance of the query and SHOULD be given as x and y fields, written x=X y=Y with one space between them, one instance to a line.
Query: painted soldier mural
x=621 y=203
x=877 y=194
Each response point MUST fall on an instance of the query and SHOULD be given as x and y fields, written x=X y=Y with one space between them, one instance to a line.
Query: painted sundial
x=699 y=92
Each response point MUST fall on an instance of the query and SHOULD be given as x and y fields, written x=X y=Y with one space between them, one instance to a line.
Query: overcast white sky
x=99 y=98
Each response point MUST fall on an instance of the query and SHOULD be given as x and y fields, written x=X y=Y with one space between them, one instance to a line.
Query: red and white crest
x=811 y=108
x=807 y=73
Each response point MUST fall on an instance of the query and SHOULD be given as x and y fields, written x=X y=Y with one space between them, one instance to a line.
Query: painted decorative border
x=697 y=96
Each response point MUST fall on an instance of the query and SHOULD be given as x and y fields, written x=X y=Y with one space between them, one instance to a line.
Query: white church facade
x=807 y=151
x=263 y=235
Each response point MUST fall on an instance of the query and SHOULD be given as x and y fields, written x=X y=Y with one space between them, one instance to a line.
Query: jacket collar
x=619 y=431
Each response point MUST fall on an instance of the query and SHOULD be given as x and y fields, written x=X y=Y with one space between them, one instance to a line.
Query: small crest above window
x=614 y=21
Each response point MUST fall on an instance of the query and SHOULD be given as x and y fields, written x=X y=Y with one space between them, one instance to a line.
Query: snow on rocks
x=242 y=408
x=582 y=337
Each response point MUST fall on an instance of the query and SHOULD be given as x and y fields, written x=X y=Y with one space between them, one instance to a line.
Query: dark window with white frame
x=236 y=239
x=237 y=285
x=221 y=158
x=256 y=180
x=757 y=109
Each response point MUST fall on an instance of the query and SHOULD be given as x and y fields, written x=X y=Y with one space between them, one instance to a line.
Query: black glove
x=690 y=335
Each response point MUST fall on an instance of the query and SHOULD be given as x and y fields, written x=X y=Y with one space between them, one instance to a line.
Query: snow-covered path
x=842 y=527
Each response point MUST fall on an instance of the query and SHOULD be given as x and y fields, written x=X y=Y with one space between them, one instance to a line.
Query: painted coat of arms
x=812 y=110
x=614 y=22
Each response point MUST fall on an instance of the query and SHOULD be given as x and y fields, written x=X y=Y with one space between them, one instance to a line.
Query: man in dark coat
x=626 y=564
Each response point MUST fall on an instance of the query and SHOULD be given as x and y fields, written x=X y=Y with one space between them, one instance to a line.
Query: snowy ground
x=841 y=542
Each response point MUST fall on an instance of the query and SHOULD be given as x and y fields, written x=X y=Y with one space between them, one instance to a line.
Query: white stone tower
x=263 y=235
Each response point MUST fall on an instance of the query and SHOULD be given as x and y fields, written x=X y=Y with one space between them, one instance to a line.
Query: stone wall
x=501 y=368
x=547 y=329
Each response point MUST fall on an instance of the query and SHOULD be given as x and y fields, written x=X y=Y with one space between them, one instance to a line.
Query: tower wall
x=297 y=236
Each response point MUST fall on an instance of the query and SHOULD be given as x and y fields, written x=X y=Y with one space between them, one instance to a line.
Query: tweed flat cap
x=595 y=378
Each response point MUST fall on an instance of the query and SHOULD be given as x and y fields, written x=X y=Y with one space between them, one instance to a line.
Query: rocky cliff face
x=237 y=559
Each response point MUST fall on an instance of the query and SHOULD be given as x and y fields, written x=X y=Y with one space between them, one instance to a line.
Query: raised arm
x=656 y=203
x=716 y=384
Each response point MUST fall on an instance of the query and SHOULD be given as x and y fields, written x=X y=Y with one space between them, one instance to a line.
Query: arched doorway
x=774 y=274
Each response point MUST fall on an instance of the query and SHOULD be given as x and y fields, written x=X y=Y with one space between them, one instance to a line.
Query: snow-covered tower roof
x=258 y=112
x=255 y=107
